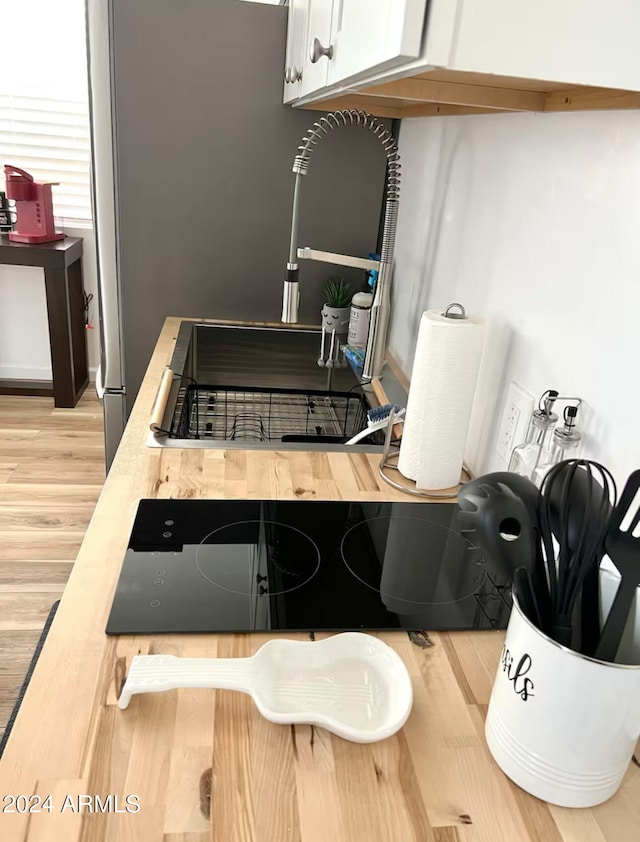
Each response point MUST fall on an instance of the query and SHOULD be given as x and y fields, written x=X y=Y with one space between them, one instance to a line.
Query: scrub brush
x=377 y=419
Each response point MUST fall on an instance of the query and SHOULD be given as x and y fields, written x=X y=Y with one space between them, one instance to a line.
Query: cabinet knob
x=317 y=51
x=296 y=74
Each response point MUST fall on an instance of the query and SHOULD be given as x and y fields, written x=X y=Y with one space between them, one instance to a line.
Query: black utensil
x=501 y=522
x=521 y=486
x=587 y=502
x=523 y=591
x=624 y=551
x=579 y=539
x=555 y=486
x=474 y=518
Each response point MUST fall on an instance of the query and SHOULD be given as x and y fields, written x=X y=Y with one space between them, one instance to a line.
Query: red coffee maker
x=34 y=207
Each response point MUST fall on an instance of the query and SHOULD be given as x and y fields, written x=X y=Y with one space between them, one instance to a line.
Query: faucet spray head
x=290 y=295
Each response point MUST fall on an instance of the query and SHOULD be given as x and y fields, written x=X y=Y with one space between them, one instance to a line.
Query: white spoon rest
x=351 y=684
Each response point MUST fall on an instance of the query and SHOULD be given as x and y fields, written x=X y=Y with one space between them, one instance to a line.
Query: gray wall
x=204 y=154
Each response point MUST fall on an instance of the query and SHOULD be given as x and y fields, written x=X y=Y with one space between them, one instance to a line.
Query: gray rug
x=27 y=678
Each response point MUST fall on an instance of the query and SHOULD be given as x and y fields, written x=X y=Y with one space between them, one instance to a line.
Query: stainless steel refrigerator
x=192 y=157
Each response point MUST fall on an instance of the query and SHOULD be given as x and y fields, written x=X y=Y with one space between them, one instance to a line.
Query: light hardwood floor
x=51 y=474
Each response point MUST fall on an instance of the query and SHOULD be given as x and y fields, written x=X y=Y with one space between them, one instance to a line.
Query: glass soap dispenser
x=564 y=440
x=526 y=456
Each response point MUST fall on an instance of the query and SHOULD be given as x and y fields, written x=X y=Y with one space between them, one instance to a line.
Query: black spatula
x=624 y=551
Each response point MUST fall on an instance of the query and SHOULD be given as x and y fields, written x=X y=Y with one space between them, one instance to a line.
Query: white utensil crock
x=561 y=725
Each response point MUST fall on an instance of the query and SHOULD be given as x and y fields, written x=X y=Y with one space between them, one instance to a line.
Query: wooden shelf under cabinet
x=449 y=92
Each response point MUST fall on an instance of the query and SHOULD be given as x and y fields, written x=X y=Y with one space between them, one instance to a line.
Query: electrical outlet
x=515 y=420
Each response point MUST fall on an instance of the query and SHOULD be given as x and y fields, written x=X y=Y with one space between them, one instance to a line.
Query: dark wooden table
x=62 y=264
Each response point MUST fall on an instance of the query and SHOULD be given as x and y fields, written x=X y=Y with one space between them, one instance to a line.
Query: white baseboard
x=34 y=372
x=25 y=372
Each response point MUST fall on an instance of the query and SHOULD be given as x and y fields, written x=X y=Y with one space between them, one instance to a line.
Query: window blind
x=44 y=120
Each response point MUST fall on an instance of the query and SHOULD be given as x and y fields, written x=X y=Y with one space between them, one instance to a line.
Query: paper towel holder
x=387 y=456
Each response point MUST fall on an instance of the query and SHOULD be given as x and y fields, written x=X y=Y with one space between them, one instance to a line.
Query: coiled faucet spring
x=374 y=357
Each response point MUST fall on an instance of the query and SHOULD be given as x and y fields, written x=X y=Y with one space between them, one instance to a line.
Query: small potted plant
x=337 y=296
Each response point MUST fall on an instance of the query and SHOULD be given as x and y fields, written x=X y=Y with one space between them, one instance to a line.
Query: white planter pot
x=335 y=318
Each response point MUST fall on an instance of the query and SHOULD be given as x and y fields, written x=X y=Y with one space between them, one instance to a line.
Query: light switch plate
x=515 y=420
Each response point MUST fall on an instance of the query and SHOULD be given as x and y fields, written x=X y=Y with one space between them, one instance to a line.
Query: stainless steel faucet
x=374 y=357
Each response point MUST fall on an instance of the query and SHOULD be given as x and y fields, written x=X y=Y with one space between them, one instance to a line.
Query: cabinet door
x=296 y=34
x=315 y=67
x=372 y=35
x=573 y=41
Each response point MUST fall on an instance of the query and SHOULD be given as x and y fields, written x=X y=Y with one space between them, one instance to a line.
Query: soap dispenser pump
x=564 y=440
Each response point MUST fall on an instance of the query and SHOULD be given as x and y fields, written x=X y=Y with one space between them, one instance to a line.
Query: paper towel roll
x=445 y=370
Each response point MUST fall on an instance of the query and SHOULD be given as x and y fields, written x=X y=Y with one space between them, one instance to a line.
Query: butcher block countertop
x=204 y=765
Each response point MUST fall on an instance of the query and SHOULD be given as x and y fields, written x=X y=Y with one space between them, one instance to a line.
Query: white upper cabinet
x=296 y=34
x=317 y=46
x=586 y=42
x=374 y=35
x=425 y=57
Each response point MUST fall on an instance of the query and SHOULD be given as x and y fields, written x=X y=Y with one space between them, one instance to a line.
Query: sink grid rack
x=228 y=413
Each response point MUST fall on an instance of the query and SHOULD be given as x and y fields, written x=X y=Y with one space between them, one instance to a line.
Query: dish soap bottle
x=359 y=319
x=526 y=456
x=564 y=440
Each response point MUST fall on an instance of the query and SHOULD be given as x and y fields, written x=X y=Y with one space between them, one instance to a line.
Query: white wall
x=532 y=221
x=24 y=331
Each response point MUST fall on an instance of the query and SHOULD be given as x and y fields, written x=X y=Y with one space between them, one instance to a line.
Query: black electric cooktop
x=265 y=565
